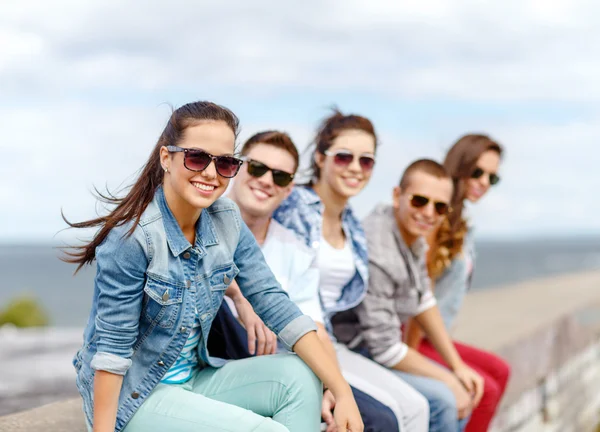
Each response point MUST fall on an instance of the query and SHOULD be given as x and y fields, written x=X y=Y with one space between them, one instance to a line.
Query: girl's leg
x=176 y=408
x=279 y=386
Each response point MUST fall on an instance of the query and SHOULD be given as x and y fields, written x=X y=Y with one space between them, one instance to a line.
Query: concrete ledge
x=64 y=416
x=548 y=330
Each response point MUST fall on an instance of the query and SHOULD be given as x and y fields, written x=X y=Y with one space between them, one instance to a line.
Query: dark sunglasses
x=198 y=160
x=419 y=201
x=344 y=158
x=258 y=169
x=478 y=172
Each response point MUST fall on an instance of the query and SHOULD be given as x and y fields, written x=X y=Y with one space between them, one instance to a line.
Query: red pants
x=495 y=373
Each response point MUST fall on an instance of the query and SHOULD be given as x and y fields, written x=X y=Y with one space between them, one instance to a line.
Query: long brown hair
x=132 y=206
x=461 y=161
x=330 y=128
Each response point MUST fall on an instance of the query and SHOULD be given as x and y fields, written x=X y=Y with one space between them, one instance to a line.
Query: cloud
x=81 y=84
x=514 y=50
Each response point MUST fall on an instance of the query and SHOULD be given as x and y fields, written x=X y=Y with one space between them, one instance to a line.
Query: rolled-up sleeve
x=379 y=321
x=270 y=302
x=121 y=267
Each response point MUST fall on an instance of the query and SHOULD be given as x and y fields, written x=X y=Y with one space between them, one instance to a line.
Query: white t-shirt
x=336 y=268
x=294 y=266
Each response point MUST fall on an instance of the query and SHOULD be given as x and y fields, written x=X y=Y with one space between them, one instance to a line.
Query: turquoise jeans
x=275 y=393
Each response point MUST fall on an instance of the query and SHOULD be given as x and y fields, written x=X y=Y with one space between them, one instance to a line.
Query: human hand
x=327 y=407
x=260 y=338
x=346 y=414
x=472 y=381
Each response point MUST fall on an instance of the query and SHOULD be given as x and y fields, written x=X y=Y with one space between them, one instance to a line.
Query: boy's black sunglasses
x=258 y=169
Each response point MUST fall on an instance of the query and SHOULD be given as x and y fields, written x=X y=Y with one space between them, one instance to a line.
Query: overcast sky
x=84 y=88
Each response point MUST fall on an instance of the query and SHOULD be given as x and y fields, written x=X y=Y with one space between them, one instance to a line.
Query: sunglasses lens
x=343 y=159
x=227 y=166
x=419 y=201
x=366 y=163
x=257 y=169
x=441 y=208
x=494 y=179
x=281 y=178
x=197 y=160
x=477 y=172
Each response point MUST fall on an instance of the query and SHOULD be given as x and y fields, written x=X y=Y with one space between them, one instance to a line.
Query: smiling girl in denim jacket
x=165 y=256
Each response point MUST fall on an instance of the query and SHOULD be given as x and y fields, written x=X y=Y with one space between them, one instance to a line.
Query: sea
x=37 y=270
x=37 y=362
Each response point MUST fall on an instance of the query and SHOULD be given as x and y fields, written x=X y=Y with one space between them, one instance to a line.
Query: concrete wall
x=548 y=330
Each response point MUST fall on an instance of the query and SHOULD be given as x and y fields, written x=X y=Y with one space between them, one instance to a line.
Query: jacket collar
x=205 y=228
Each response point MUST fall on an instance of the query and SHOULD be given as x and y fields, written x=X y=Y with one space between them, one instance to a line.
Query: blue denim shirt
x=302 y=212
x=452 y=285
x=146 y=290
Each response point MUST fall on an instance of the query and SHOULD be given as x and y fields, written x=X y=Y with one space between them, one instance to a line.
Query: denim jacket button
x=187 y=255
x=188 y=283
x=183 y=329
x=135 y=395
x=165 y=296
x=226 y=280
x=161 y=363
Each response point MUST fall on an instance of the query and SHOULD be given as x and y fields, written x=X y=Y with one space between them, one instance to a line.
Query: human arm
x=413 y=334
x=261 y=340
x=120 y=275
x=433 y=326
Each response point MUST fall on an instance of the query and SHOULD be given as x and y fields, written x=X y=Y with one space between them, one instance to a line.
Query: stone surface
x=63 y=416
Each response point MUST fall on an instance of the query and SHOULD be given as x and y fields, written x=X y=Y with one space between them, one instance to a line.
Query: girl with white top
x=319 y=213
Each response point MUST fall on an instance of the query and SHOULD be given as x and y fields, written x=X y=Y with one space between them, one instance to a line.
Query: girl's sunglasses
x=258 y=169
x=198 y=160
x=478 y=172
x=419 y=201
x=344 y=158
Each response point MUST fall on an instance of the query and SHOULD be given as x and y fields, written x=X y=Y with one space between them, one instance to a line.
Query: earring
x=166 y=169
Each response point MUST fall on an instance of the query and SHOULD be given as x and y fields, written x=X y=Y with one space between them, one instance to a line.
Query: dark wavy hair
x=132 y=205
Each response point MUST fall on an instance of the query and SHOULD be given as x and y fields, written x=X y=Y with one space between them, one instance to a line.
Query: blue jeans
x=443 y=414
x=229 y=340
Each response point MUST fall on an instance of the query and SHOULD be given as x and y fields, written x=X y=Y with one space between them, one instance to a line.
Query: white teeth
x=203 y=187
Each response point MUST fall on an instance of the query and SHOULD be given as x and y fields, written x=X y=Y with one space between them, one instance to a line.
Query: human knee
x=442 y=406
x=299 y=378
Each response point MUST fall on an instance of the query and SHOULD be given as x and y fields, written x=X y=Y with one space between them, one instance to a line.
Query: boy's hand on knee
x=261 y=340
x=346 y=414
x=327 y=407
x=463 y=399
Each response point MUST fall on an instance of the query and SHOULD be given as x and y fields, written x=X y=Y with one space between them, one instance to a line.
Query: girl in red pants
x=473 y=163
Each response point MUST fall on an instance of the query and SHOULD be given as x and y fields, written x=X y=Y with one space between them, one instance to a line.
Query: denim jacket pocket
x=221 y=278
x=162 y=301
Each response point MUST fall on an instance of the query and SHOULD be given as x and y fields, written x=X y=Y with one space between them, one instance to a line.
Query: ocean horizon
x=36 y=270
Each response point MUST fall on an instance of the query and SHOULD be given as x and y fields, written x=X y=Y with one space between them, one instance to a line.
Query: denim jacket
x=302 y=212
x=452 y=285
x=148 y=286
